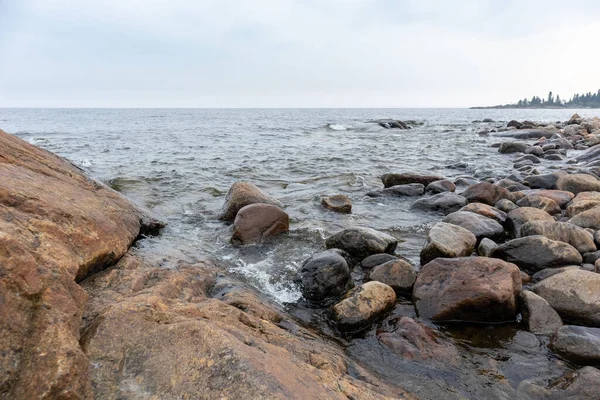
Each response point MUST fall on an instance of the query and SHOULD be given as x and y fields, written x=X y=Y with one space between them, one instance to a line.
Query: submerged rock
x=362 y=242
x=443 y=202
x=534 y=253
x=258 y=222
x=578 y=344
x=577 y=237
x=390 y=180
x=325 y=275
x=398 y=274
x=363 y=304
x=577 y=385
x=409 y=189
x=487 y=193
x=242 y=194
x=538 y=316
x=574 y=294
x=339 y=203
x=480 y=226
x=447 y=241
x=473 y=289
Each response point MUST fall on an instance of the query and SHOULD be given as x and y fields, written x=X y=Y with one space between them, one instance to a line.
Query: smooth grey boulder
x=362 y=242
x=578 y=344
x=486 y=246
x=410 y=189
x=538 y=316
x=447 y=241
x=565 y=232
x=325 y=275
x=376 y=259
x=534 y=253
x=545 y=181
x=591 y=154
x=574 y=294
x=442 y=202
x=480 y=226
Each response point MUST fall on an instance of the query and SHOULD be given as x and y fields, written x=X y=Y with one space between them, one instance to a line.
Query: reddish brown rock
x=258 y=222
x=543 y=203
x=339 y=203
x=57 y=226
x=561 y=197
x=487 y=193
x=242 y=194
x=476 y=289
x=398 y=274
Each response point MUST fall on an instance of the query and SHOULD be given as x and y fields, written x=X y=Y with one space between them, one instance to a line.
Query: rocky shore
x=505 y=302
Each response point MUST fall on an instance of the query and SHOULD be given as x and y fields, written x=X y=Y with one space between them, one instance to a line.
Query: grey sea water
x=179 y=163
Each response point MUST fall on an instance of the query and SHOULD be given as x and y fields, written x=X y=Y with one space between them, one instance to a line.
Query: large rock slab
x=242 y=194
x=390 y=180
x=363 y=304
x=577 y=183
x=591 y=154
x=577 y=385
x=57 y=226
x=258 y=222
x=538 y=316
x=325 y=275
x=447 y=241
x=362 y=242
x=574 y=294
x=475 y=289
x=442 y=202
x=520 y=216
x=487 y=193
x=480 y=226
x=578 y=344
x=534 y=253
x=565 y=232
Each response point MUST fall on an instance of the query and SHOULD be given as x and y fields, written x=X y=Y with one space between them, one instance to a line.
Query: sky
x=294 y=53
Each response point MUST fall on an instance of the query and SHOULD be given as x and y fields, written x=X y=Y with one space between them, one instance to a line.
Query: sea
x=180 y=163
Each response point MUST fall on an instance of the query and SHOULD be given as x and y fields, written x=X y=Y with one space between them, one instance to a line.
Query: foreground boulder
x=398 y=274
x=480 y=226
x=57 y=227
x=443 y=202
x=242 y=194
x=363 y=304
x=362 y=242
x=577 y=183
x=578 y=344
x=474 y=289
x=577 y=237
x=534 y=253
x=390 y=180
x=447 y=241
x=258 y=222
x=339 y=203
x=487 y=193
x=325 y=275
x=574 y=294
x=538 y=316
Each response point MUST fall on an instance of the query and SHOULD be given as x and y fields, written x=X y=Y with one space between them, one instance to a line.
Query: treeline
x=586 y=100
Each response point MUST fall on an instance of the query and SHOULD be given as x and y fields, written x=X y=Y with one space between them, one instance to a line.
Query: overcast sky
x=294 y=53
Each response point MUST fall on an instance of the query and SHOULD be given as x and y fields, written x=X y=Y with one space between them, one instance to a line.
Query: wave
x=339 y=127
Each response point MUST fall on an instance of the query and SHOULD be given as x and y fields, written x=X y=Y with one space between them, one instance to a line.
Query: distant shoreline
x=512 y=107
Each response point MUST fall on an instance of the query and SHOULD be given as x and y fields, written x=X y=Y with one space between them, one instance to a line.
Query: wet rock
x=517 y=218
x=543 y=203
x=486 y=210
x=560 y=197
x=487 y=193
x=465 y=181
x=339 y=203
x=515 y=124
x=574 y=294
x=57 y=227
x=325 y=275
x=475 y=289
x=520 y=165
x=505 y=206
x=534 y=150
x=443 y=202
x=587 y=219
x=530 y=157
x=411 y=340
x=362 y=242
x=410 y=189
x=440 y=187
x=577 y=237
x=548 y=272
x=243 y=194
x=390 y=180
x=376 y=259
x=398 y=274
x=591 y=154
x=577 y=183
x=545 y=181
x=363 y=304
x=538 y=316
x=448 y=241
x=534 y=253
x=577 y=385
x=486 y=246
x=480 y=226
x=553 y=157
x=512 y=147
x=578 y=344
x=258 y=222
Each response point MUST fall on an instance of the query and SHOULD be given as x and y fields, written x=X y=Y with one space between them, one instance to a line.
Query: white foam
x=339 y=127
